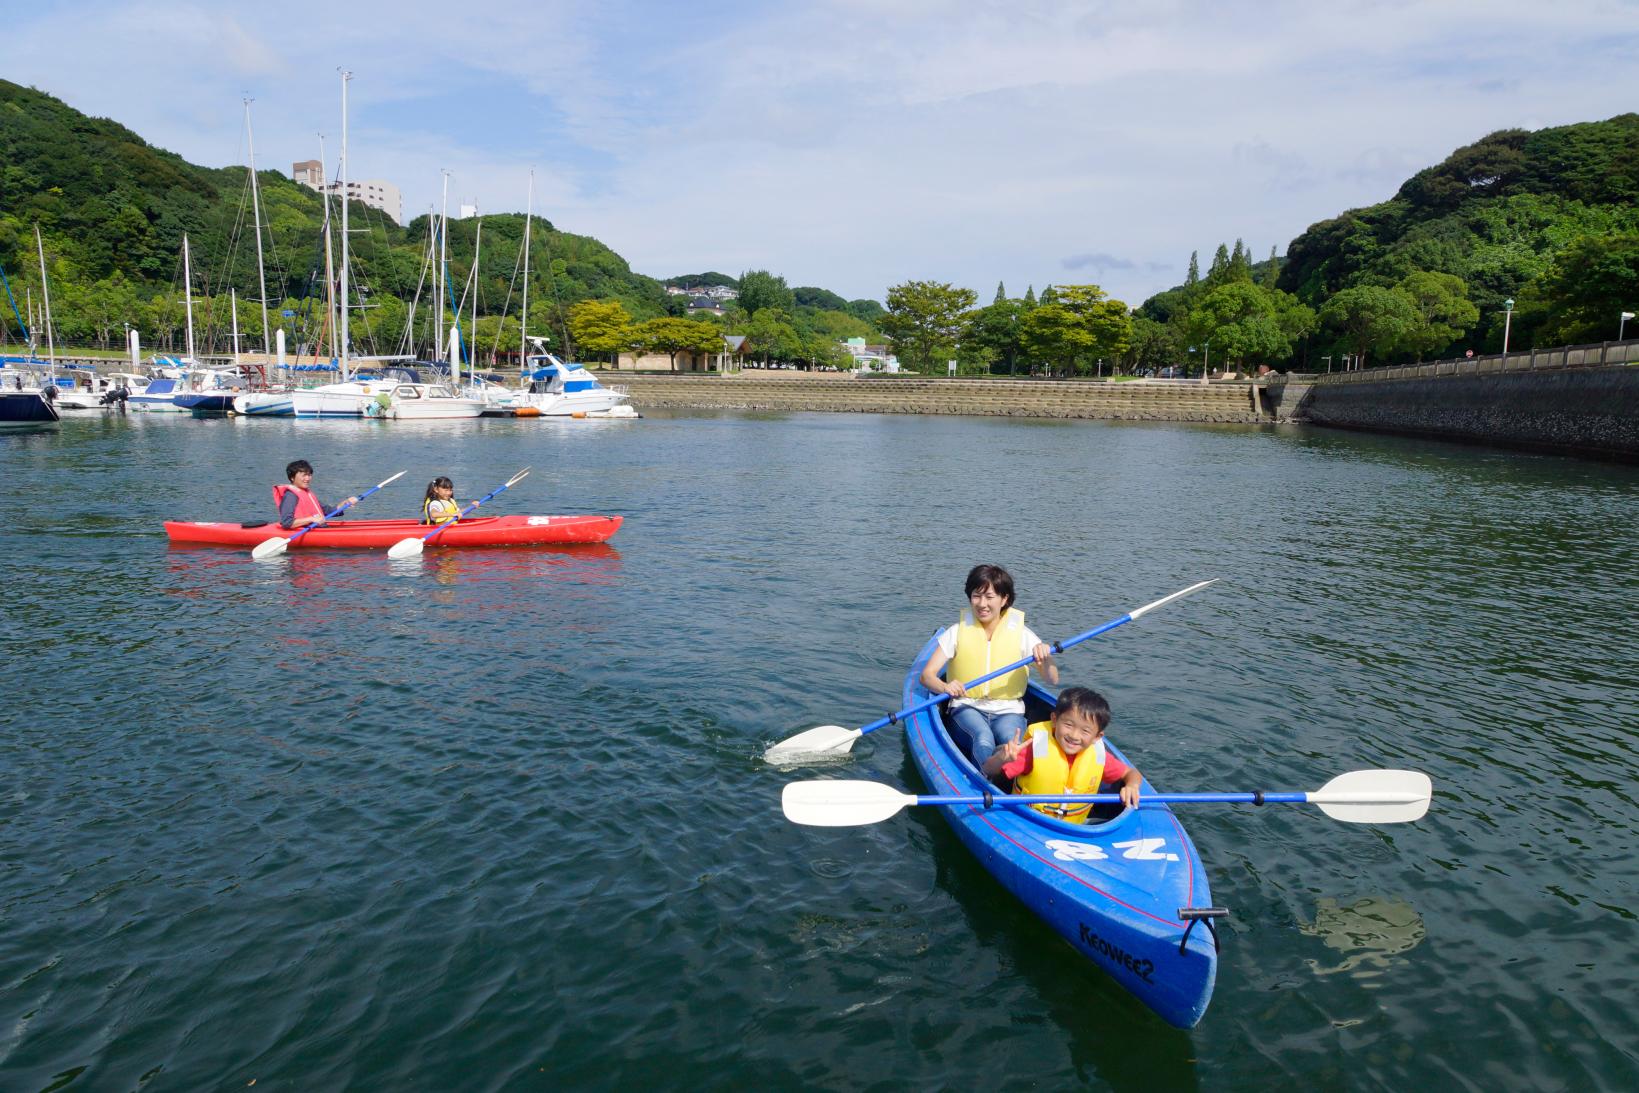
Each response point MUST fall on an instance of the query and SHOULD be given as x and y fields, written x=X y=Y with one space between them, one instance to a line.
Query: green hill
x=1549 y=219
x=113 y=210
x=1495 y=214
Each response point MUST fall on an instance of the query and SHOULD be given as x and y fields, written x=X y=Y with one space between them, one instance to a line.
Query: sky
x=853 y=144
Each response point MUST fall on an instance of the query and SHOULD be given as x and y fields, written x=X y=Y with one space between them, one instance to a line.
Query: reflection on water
x=1368 y=932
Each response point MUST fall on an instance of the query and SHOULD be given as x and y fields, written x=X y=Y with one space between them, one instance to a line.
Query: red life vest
x=306 y=504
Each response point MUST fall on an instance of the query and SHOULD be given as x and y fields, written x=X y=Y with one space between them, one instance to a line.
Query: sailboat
x=27 y=400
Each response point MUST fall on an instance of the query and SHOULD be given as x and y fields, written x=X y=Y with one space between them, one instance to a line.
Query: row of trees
x=778 y=327
x=1069 y=328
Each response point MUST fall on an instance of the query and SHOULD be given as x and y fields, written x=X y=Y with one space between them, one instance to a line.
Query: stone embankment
x=830 y=392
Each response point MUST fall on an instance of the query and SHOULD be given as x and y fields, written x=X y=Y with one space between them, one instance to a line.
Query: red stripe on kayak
x=1053 y=862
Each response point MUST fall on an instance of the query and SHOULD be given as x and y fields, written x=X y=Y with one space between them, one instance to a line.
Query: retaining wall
x=1576 y=411
x=1130 y=401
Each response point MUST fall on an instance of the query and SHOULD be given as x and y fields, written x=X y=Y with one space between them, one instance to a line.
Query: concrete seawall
x=1573 y=411
x=1132 y=401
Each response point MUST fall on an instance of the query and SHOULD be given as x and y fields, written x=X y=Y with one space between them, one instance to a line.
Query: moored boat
x=1120 y=889
x=417 y=401
x=481 y=531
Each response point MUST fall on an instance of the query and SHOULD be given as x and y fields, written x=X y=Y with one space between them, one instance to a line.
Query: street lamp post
x=1206 y=357
x=1622 y=326
x=1507 y=321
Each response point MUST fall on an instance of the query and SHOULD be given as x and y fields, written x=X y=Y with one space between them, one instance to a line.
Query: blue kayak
x=1128 y=892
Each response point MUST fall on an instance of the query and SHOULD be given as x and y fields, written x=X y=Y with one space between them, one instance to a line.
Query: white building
x=374 y=192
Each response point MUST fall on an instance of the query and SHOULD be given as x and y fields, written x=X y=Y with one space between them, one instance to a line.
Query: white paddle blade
x=841 y=803
x=406 y=548
x=824 y=741
x=1376 y=796
x=1164 y=600
x=270 y=548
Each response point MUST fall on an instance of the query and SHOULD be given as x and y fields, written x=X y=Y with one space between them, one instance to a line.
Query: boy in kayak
x=440 y=506
x=990 y=634
x=1067 y=754
x=298 y=505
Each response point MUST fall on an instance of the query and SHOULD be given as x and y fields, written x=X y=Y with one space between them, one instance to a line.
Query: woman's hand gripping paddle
x=835 y=740
x=1359 y=797
x=410 y=548
x=272 y=548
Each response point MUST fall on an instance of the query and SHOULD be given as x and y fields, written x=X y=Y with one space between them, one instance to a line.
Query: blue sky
x=853 y=144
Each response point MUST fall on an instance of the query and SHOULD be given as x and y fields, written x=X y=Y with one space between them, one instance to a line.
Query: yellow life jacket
x=978 y=655
x=435 y=511
x=1051 y=771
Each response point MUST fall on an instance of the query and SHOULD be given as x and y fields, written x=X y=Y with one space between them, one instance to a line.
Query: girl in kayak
x=1067 y=754
x=298 y=504
x=440 y=506
x=989 y=635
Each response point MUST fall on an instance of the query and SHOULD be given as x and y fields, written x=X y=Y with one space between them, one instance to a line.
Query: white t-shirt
x=1027 y=645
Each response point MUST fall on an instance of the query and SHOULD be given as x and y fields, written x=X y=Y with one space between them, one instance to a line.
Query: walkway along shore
x=837 y=392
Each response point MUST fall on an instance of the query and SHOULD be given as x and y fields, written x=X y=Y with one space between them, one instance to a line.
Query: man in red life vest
x=298 y=505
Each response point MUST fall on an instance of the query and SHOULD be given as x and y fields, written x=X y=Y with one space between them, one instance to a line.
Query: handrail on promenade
x=1593 y=355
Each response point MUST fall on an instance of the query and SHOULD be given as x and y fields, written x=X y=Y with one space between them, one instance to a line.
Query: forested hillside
x=112 y=211
x=1548 y=219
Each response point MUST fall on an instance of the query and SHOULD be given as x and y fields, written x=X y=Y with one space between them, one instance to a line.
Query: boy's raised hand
x=1010 y=750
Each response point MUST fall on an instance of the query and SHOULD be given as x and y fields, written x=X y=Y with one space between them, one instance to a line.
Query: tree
x=1001 y=293
x=760 y=288
x=1152 y=345
x=1052 y=334
x=1443 y=309
x=1370 y=319
x=925 y=320
x=674 y=336
x=1244 y=321
x=771 y=335
x=601 y=326
x=1193 y=278
x=1590 y=283
x=996 y=330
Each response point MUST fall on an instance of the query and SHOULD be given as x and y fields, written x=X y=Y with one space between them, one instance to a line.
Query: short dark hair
x=296 y=467
x=994 y=577
x=1084 y=702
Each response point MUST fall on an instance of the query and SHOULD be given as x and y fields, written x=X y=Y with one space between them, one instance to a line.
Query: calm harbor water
x=498 y=819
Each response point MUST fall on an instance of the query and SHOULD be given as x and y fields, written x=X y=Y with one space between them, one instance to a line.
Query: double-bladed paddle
x=1358 y=797
x=834 y=739
x=409 y=548
x=272 y=548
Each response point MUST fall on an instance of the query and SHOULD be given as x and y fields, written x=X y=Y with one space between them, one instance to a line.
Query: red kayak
x=480 y=531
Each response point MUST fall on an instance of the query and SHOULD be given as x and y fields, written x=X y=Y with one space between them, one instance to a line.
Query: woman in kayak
x=440 y=506
x=989 y=635
x=298 y=505
x=1067 y=755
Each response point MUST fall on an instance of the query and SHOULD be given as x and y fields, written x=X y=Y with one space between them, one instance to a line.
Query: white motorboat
x=417 y=401
x=556 y=389
x=84 y=389
x=265 y=403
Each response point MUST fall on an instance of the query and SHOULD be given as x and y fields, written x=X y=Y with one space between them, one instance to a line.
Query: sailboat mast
x=523 y=323
x=45 y=291
x=256 y=213
x=442 y=273
x=187 y=290
x=472 y=335
x=345 y=76
x=233 y=313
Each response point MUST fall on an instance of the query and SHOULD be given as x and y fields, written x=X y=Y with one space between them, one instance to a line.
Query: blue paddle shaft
x=329 y=516
x=463 y=512
x=932 y=702
x=1021 y=799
